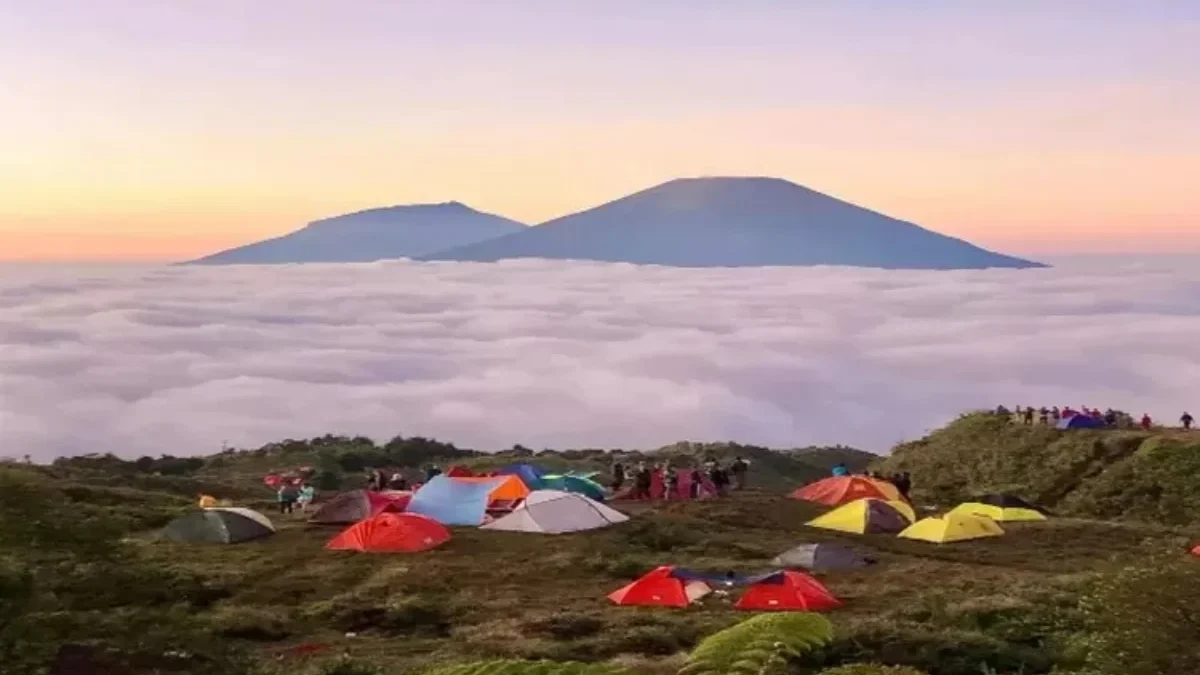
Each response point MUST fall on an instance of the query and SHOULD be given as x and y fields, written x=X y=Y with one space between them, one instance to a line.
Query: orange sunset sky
x=132 y=130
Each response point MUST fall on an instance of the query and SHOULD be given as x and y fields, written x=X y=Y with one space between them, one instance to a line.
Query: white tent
x=554 y=512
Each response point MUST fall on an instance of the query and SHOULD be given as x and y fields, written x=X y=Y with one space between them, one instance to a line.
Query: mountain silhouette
x=735 y=222
x=375 y=234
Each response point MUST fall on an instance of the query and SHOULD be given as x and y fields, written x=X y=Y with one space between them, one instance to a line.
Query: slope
x=375 y=234
x=734 y=222
x=1119 y=473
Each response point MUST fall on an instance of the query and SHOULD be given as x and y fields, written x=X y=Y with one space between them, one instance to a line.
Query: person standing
x=287 y=495
x=618 y=477
x=739 y=469
x=670 y=482
x=1186 y=420
x=306 y=496
x=1146 y=421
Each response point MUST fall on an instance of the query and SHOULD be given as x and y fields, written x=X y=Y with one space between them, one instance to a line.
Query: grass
x=1009 y=604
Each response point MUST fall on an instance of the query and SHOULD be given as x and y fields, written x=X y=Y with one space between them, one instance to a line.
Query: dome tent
x=839 y=490
x=351 y=507
x=867 y=516
x=821 y=558
x=390 y=532
x=555 y=512
x=219 y=525
x=663 y=587
x=787 y=591
x=952 y=527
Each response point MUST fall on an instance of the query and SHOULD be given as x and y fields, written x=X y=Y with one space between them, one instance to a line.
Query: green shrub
x=760 y=645
x=1145 y=620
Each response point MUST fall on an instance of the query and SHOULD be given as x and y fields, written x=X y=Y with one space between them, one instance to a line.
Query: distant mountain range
x=375 y=234
x=696 y=222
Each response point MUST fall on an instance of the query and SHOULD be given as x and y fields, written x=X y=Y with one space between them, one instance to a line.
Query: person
x=1055 y=414
x=1110 y=418
x=1044 y=415
x=697 y=483
x=618 y=477
x=739 y=469
x=670 y=482
x=1186 y=420
x=286 y=496
x=305 y=498
x=840 y=469
x=642 y=482
x=903 y=483
x=1029 y=415
x=432 y=472
x=720 y=479
x=1146 y=421
x=398 y=481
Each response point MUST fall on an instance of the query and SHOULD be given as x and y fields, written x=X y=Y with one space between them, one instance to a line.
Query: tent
x=459 y=471
x=787 y=591
x=1196 y=550
x=820 y=558
x=568 y=483
x=952 y=527
x=662 y=588
x=1010 y=502
x=838 y=490
x=1080 y=422
x=454 y=501
x=390 y=532
x=353 y=506
x=528 y=473
x=555 y=512
x=219 y=525
x=504 y=488
x=867 y=516
x=1000 y=514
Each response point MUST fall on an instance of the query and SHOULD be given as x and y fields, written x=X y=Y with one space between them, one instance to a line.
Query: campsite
x=959 y=582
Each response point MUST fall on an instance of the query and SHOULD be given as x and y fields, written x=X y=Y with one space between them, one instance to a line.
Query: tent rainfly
x=219 y=525
x=554 y=512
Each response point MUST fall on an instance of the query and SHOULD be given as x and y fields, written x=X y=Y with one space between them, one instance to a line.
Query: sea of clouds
x=135 y=360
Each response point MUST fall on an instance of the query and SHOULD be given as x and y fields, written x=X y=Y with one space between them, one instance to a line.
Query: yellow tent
x=999 y=514
x=207 y=501
x=952 y=527
x=867 y=516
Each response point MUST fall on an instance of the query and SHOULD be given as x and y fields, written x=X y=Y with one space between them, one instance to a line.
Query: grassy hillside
x=1140 y=475
x=79 y=564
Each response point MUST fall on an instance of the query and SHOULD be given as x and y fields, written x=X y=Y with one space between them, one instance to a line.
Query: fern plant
x=510 y=667
x=759 y=646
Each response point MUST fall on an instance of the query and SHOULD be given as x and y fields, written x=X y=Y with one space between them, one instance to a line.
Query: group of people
x=1110 y=418
x=379 y=480
x=901 y=480
x=709 y=478
x=295 y=493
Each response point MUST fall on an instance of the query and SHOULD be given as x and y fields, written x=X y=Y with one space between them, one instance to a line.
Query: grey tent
x=348 y=508
x=820 y=558
x=219 y=526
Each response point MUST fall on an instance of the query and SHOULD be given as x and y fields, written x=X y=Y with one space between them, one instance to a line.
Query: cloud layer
x=549 y=354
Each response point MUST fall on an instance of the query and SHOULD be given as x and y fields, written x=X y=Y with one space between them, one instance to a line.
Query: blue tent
x=528 y=473
x=1080 y=422
x=452 y=502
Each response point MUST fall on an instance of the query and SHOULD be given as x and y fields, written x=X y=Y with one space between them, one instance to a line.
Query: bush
x=250 y=623
x=565 y=626
x=1145 y=620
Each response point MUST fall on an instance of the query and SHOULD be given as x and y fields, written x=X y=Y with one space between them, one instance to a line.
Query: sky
x=145 y=360
x=145 y=130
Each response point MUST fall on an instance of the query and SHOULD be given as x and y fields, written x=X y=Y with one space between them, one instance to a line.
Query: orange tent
x=787 y=591
x=390 y=532
x=510 y=488
x=660 y=588
x=838 y=490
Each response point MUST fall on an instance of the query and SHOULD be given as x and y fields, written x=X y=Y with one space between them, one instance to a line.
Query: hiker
x=1055 y=414
x=1044 y=415
x=903 y=483
x=697 y=483
x=739 y=469
x=1146 y=421
x=670 y=482
x=287 y=497
x=642 y=482
x=1186 y=421
x=398 y=482
x=1110 y=418
x=840 y=469
x=305 y=497
x=618 y=477
x=720 y=479
x=1029 y=415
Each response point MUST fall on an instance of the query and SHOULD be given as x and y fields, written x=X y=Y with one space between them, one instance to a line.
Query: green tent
x=219 y=526
x=579 y=484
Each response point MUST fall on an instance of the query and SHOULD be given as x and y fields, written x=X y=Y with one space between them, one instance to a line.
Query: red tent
x=1196 y=550
x=660 y=588
x=839 y=490
x=459 y=471
x=787 y=591
x=391 y=533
